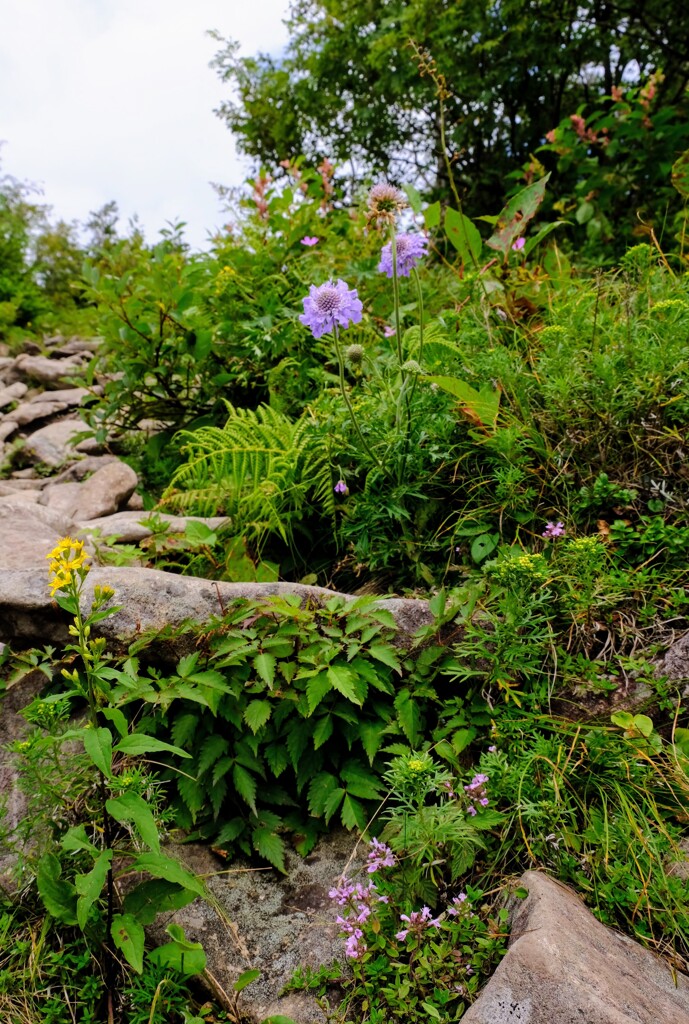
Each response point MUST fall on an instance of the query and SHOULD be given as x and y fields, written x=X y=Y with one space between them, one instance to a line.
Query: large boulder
x=53 y=445
x=149 y=599
x=27 y=533
x=565 y=967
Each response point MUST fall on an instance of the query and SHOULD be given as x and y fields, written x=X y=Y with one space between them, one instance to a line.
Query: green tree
x=349 y=87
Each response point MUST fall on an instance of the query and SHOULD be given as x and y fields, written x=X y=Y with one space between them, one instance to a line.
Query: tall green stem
x=345 y=395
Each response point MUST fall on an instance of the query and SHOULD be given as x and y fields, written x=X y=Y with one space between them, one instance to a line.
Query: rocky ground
x=563 y=967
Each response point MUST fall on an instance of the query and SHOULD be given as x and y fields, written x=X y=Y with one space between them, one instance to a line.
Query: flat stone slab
x=51 y=444
x=128 y=528
x=151 y=599
x=12 y=393
x=30 y=411
x=565 y=967
x=51 y=373
x=269 y=922
x=27 y=533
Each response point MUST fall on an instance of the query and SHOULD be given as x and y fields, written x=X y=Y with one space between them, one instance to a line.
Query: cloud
x=114 y=99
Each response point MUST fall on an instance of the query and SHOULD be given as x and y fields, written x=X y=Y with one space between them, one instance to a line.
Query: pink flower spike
x=519 y=244
x=310 y=240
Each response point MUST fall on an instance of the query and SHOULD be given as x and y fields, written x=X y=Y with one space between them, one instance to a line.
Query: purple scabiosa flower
x=554 y=530
x=341 y=487
x=410 y=249
x=384 y=203
x=330 y=305
x=379 y=856
x=519 y=244
x=310 y=240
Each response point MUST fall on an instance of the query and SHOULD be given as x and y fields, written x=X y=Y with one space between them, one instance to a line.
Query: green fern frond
x=260 y=469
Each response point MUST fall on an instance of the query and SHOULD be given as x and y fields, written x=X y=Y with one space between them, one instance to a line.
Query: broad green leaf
x=115 y=716
x=623 y=719
x=431 y=1010
x=413 y=197
x=408 y=715
x=140 y=743
x=482 y=546
x=264 y=665
x=199 y=533
x=346 y=682
x=540 y=235
x=156 y=896
x=431 y=215
x=681 y=740
x=132 y=807
x=644 y=724
x=479 y=407
x=90 y=886
x=160 y=866
x=128 y=935
x=246 y=979
x=59 y=897
x=75 y=838
x=464 y=235
x=680 y=174
x=98 y=746
x=257 y=714
x=514 y=217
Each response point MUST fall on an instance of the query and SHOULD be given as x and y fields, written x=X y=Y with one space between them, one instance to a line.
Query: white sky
x=113 y=99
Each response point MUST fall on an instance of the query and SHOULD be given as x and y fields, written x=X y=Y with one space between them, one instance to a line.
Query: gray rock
x=84 y=466
x=77 y=346
x=51 y=444
x=27 y=534
x=564 y=967
x=104 y=492
x=135 y=503
x=674 y=664
x=61 y=497
x=30 y=411
x=49 y=372
x=24 y=497
x=7 y=428
x=70 y=396
x=12 y=486
x=127 y=525
x=269 y=922
x=150 y=599
x=12 y=393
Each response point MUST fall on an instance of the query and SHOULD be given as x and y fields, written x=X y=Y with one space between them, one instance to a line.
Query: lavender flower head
x=418 y=921
x=310 y=240
x=331 y=305
x=410 y=249
x=476 y=792
x=554 y=530
x=341 y=487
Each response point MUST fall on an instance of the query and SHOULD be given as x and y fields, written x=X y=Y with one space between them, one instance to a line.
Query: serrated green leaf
x=271 y=846
x=212 y=748
x=385 y=654
x=264 y=664
x=346 y=682
x=277 y=758
x=192 y=792
x=360 y=782
x=323 y=731
x=352 y=814
x=316 y=689
x=132 y=807
x=320 y=789
x=139 y=743
x=332 y=803
x=184 y=728
x=371 y=736
x=408 y=716
x=245 y=785
x=98 y=746
x=257 y=713
x=128 y=936
x=90 y=885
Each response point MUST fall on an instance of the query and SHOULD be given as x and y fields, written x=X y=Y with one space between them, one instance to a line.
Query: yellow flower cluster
x=66 y=558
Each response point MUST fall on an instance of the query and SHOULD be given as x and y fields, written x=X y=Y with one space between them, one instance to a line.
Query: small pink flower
x=554 y=530
x=310 y=240
x=519 y=244
x=388 y=331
